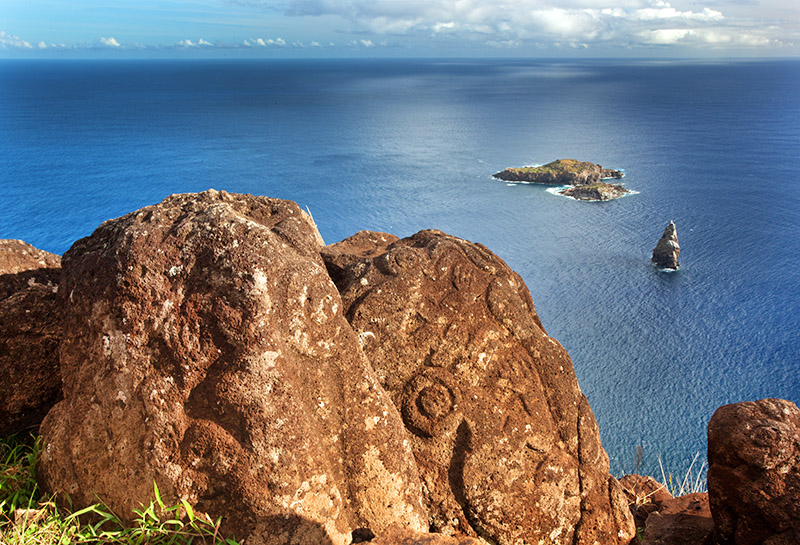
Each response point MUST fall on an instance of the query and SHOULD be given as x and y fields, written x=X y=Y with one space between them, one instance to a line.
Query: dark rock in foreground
x=208 y=352
x=559 y=172
x=596 y=192
x=30 y=331
x=667 y=250
x=754 y=473
x=507 y=445
x=398 y=535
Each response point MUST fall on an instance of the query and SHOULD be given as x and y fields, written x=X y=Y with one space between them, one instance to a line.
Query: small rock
x=666 y=252
x=645 y=495
x=685 y=520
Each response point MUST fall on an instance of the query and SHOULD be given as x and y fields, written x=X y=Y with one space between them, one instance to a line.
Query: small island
x=600 y=191
x=585 y=178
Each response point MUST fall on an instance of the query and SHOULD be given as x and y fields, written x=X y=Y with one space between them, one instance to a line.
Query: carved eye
x=431 y=403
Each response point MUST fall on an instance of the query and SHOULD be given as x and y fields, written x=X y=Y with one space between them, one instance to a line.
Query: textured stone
x=667 y=250
x=754 y=472
x=507 y=445
x=398 y=535
x=348 y=252
x=685 y=520
x=30 y=331
x=645 y=495
x=208 y=353
x=18 y=256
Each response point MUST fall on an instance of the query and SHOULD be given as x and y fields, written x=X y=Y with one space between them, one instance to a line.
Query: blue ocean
x=403 y=145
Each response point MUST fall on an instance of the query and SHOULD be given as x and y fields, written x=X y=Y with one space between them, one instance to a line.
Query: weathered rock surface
x=398 y=535
x=645 y=495
x=596 y=192
x=30 y=330
x=208 y=352
x=754 y=473
x=507 y=445
x=18 y=256
x=685 y=520
x=667 y=250
x=560 y=172
x=341 y=255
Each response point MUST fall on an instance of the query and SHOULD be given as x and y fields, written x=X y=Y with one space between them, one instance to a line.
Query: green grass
x=29 y=518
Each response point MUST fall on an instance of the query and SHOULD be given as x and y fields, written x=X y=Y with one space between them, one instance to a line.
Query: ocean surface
x=400 y=146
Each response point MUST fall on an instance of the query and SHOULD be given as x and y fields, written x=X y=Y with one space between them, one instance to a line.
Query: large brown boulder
x=208 y=353
x=507 y=445
x=754 y=473
x=30 y=330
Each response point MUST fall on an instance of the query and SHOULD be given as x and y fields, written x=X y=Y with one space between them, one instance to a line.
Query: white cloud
x=189 y=43
x=505 y=44
x=110 y=42
x=9 y=41
x=573 y=23
x=261 y=42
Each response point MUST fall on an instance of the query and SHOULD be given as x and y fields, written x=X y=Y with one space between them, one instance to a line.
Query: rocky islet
x=584 y=178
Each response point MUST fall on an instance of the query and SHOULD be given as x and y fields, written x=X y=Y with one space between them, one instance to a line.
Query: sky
x=399 y=28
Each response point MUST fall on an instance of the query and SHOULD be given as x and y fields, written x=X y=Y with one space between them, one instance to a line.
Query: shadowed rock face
x=754 y=472
x=208 y=352
x=30 y=330
x=397 y=535
x=507 y=445
x=667 y=250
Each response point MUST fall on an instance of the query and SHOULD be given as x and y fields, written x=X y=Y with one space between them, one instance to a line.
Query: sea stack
x=666 y=252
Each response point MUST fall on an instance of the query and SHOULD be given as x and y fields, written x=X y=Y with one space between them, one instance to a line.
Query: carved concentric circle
x=431 y=403
x=397 y=259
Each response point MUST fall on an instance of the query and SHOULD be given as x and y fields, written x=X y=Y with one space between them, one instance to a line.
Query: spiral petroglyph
x=431 y=403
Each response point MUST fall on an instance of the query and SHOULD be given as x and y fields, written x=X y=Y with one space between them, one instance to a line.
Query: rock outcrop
x=208 y=353
x=560 y=172
x=506 y=443
x=667 y=250
x=645 y=495
x=754 y=473
x=18 y=256
x=596 y=192
x=30 y=330
x=685 y=520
